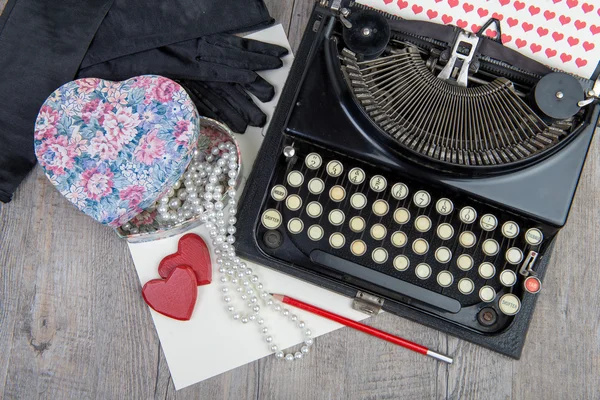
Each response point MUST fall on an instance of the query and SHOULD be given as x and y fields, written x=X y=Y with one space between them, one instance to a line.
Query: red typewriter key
x=533 y=284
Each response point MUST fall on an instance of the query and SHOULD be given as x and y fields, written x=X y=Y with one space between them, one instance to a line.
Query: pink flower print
x=164 y=89
x=103 y=148
x=55 y=154
x=45 y=125
x=133 y=194
x=120 y=126
x=142 y=82
x=183 y=132
x=95 y=109
x=97 y=182
x=76 y=196
x=87 y=85
x=118 y=96
x=150 y=148
x=76 y=141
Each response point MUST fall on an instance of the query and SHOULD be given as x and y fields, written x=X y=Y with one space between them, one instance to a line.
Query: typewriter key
x=358 y=201
x=314 y=209
x=514 y=255
x=487 y=294
x=336 y=217
x=295 y=226
x=488 y=222
x=337 y=240
x=401 y=263
x=295 y=179
x=510 y=230
x=315 y=233
x=464 y=262
x=508 y=278
x=316 y=186
x=379 y=255
x=380 y=208
x=357 y=224
x=423 y=271
x=468 y=215
x=487 y=270
x=401 y=216
x=487 y=316
x=534 y=236
x=337 y=193
x=378 y=232
x=444 y=206
x=271 y=219
x=466 y=286
x=422 y=199
x=420 y=247
x=399 y=191
x=399 y=239
x=356 y=176
x=358 y=248
x=443 y=255
x=313 y=161
x=293 y=202
x=335 y=168
x=278 y=193
x=423 y=223
x=445 y=231
x=445 y=279
x=378 y=183
x=467 y=239
x=490 y=247
x=509 y=304
x=272 y=239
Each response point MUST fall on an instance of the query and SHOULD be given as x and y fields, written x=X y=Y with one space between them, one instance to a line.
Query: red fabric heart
x=512 y=21
x=595 y=29
x=468 y=7
x=557 y=36
x=461 y=24
x=521 y=43
x=588 y=46
x=533 y=10
x=402 y=4
x=452 y=3
x=542 y=31
x=564 y=19
x=192 y=252
x=549 y=15
x=446 y=19
x=504 y=2
x=482 y=12
x=498 y=16
x=586 y=7
x=535 y=48
x=174 y=297
x=581 y=62
x=417 y=9
x=580 y=24
x=573 y=41
x=431 y=14
x=527 y=26
x=519 y=5
x=566 y=57
x=550 y=52
x=572 y=3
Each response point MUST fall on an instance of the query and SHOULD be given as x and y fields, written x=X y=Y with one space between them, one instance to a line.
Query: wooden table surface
x=73 y=323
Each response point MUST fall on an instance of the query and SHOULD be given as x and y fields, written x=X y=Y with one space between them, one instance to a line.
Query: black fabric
x=38 y=53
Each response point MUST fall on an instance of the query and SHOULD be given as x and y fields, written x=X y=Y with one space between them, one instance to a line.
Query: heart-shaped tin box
x=113 y=148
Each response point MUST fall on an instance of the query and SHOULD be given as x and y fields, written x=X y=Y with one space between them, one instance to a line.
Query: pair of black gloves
x=218 y=71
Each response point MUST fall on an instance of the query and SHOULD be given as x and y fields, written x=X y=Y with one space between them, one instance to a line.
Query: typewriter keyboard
x=433 y=246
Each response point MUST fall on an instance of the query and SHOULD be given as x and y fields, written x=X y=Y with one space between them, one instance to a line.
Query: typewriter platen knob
x=369 y=34
x=557 y=96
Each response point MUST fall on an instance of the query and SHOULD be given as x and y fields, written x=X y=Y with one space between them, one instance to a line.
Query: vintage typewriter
x=419 y=169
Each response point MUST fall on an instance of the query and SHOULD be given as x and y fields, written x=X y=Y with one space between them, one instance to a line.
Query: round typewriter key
x=271 y=219
x=313 y=161
x=400 y=191
x=401 y=263
x=423 y=223
x=316 y=186
x=293 y=202
x=487 y=270
x=445 y=279
x=399 y=239
x=468 y=215
x=534 y=236
x=356 y=176
x=532 y=284
x=510 y=230
x=378 y=232
x=467 y=239
x=336 y=217
x=487 y=294
x=420 y=246
x=315 y=232
x=378 y=183
x=514 y=255
x=358 y=248
x=466 y=286
x=295 y=226
x=337 y=240
x=443 y=255
x=314 y=209
x=273 y=239
x=488 y=222
x=487 y=316
x=401 y=216
x=508 y=278
x=509 y=304
x=423 y=271
x=295 y=179
x=490 y=247
x=357 y=224
x=445 y=231
x=358 y=201
x=444 y=206
x=337 y=193
x=464 y=262
x=335 y=168
x=380 y=208
x=379 y=255
x=278 y=192
x=421 y=199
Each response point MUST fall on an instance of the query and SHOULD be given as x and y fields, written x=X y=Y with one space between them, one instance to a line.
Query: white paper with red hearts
x=563 y=34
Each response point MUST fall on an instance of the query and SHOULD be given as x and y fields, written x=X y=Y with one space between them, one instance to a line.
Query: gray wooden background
x=73 y=323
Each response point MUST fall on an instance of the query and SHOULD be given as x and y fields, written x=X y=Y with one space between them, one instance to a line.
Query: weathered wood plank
x=281 y=11
x=300 y=15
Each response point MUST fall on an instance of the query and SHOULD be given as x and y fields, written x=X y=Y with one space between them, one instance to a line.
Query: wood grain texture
x=73 y=323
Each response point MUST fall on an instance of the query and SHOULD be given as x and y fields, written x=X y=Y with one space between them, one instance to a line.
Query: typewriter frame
x=509 y=342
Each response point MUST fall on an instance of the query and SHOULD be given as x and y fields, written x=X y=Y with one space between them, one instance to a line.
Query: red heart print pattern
x=504 y=2
x=505 y=38
x=588 y=46
x=572 y=3
x=468 y=7
x=417 y=9
x=446 y=19
x=527 y=26
x=512 y=21
x=192 y=252
x=533 y=10
x=549 y=15
x=586 y=7
x=482 y=12
x=453 y=3
x=491 y=33
x=564 y=19
x=175 y=296
x=475 y=28
x=387 y=1
x=580 y=24
x=402 y=4
x=557 y=36
x=566 y=57
x=499 y=17
x=556 y=1
x=520 y=43
x=573 y=41
x=535 y=48
x=462 y=24
x=595 y=29
x=431 y=14
x=581 y=62
x=542 y=31
x=519 y=5
x=550 y=52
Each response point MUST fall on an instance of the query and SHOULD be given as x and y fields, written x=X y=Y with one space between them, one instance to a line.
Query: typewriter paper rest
x=562 y=34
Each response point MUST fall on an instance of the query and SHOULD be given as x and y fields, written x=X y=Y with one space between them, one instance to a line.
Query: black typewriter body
x=456 y=240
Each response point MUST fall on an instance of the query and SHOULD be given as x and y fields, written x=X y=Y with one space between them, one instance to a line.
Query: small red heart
x=468 y=7
x=446 y=19
x=527 y=26
x=556 y=1
x=595 y=29
x=387 y=1
x=580 y=24
x=573 y=41
x=452 y=3
x=557 y=36
x=417 y=9
x=550 y=53
x=572 y=3
x=512 y=21
x=549 y=15
x=564 y=19
x=491 y=33
x=482 y=12
x=192 y=252
x=588 y=46
x=475 y=28
x=521 y=43
x=174 y=297
x=542 y=31
x=581 y=62
x=506 y=38
x=499 y=17
x=533 y=10
x=535 y=48
x=431 y=14
x=566 y=57
x=504 y=2
x=586 y=7
x=462 y=24
x=519 y=5
x=402 y=4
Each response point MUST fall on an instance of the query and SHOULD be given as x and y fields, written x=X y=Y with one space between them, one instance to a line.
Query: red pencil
x=363 y=328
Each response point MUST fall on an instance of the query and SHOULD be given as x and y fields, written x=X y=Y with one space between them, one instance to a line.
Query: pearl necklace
x=203 y=195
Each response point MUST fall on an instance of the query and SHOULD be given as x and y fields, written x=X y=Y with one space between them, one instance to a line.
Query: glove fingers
x=262 y=89
x=241 y=102
x=255 y=46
